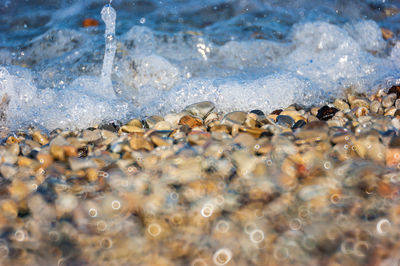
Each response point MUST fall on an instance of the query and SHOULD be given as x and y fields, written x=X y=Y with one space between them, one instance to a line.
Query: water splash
x=108 y=15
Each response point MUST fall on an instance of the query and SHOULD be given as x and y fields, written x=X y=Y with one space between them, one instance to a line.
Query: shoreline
x=198 y=188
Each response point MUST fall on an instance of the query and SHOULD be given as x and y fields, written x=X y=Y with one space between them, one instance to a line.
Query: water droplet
x=174 y=196
x=92 y=212
x=295 y=224
x=222 y=256
x=249 y=227
x=101 y=226
x=347 y=246
x=257 y=236
x=106 y=243
x=154 y=229
x=4 y=251
x=361 y=248
x=281 y=253
x=335 y=198
x=19 y=235
x=327 y=165
x=116 y=205
x=207 y=210
x=223 y=226
x=54 y=236
x=199 y=262
x=383 y=226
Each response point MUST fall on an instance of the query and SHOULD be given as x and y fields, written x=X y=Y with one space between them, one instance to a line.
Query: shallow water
x=239 y=54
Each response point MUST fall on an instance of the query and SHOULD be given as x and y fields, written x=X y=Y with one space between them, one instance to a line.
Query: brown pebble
x=220 y=128
x=393 y=157
x=135 y=123
x=130 y=129
x=57 y=152
x=160 y=142
x=24 y=161
x=390 y=111
x=45 y=160
x=70 y=151
x=91 y=174
x=341 y=104
x=138 y=143
x=387 y=34
x=190 y=121
x=40 y=138
x=18 y=189
x=389 y=100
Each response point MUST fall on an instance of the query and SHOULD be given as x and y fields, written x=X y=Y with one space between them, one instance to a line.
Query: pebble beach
x=298 y=186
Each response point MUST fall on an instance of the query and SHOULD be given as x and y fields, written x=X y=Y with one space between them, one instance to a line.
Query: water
x=242 y=55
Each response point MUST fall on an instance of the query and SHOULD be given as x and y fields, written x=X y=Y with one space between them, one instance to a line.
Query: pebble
x=284 y=120
x=152 y=120
x=8 y=171
x=138 y=143
x=389 y=100
x=325 y=113
x=237 y=117
x=396 y=90
x=162 y=125
x=135 y=123
x=40 y=138
x=91 y=135
x=341 y=104
x=190 y=121
x=201 y=109
x=375 y=106
x=78 y=163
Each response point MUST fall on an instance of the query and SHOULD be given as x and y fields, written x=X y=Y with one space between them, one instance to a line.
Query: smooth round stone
x=162 y=125
x=389 y=100
x=135 y=123
x=237 y=117
x=397 y=104
x=374 y=106
x=257 y=112
x=8 y=171
x=201 y=109
x=341 y=104
x=299 y=124
x=153 y=120
x=91 y=135
x=191 y=121
x=39 y=137
x=284 y=120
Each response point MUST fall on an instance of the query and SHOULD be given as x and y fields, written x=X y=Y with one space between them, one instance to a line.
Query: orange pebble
x=90 y=22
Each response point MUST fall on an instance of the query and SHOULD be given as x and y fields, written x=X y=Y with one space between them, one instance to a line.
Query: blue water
x=238 y=54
